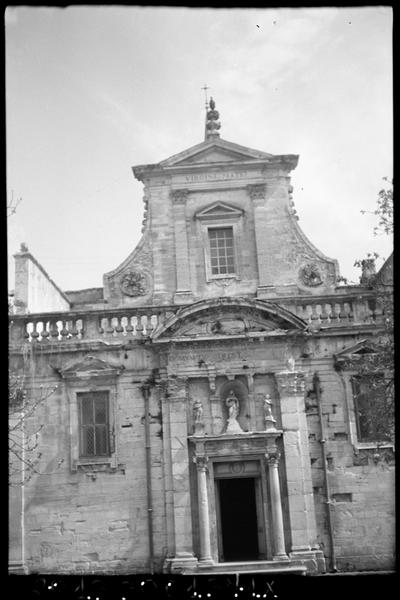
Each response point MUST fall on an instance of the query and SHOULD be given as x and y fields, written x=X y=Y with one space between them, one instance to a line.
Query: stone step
x=271 y=567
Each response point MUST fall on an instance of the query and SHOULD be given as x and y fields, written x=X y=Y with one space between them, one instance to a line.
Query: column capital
x=290 y=383
x=179 y=196
x=201 y=462
x=273 y=458
x=177 y=387
x=257 y=191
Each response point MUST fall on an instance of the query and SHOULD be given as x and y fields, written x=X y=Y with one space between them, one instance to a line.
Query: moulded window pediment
x=90 y=366
x=219 y=210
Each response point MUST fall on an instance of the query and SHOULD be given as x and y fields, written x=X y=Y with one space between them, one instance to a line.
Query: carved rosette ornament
x=310 y=275
x=290 y=383
x=134 y=283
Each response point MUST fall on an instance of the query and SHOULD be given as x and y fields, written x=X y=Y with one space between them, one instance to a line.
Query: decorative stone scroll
x=179 y=196
x=257 y=191
x=290 y=383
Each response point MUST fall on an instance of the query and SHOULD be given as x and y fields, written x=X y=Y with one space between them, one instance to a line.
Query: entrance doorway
x=238 y=519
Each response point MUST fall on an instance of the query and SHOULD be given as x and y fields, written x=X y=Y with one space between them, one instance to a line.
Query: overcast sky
x=92 y=91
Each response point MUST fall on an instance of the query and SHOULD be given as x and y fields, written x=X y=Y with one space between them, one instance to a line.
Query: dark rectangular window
x=94 y=424
x=371 y=411
x=221 y=250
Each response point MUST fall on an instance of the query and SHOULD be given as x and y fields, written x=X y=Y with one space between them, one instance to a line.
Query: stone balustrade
x=137 y=323
x=100 y=325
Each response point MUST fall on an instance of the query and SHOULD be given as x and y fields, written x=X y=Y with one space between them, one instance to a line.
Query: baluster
x=149 y=325
x=349 y=311
x=315 y=314
x=53 y=330
x=336 y=312
x=45 y=334
x=129 y=328
x=325 y=311
x=34 y=332
x=64 y=330
x=119 y=328
x=110 y=327
x=139 y=327
x=26 y=332
x=101 y=325
x=74 y=330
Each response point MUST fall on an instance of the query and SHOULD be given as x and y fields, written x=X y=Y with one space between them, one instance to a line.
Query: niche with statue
x=234 y=405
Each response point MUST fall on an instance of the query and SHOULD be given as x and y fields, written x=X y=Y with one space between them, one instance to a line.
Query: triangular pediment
x=216 y=151
x=359 y=348
x=89 y=366
x=219 y=209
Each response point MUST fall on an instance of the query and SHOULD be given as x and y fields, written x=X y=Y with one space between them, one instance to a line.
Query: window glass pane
x=100 y=409
x=221 y=250
x=101 y=440
x=88 y=441
x=87 y=409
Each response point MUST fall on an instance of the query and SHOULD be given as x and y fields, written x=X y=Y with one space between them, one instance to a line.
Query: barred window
x=221 y=250
x=372 y=409
x=94 y=424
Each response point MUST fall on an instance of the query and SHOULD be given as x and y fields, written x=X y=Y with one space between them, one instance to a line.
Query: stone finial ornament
x=212 y=123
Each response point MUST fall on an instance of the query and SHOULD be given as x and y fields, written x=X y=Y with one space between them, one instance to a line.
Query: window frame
x=229 y=217
x=352 y=417
x=108 y=432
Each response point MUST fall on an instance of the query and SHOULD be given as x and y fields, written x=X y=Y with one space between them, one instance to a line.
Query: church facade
x=201 y=414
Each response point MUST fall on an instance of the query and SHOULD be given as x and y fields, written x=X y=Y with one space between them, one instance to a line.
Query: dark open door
x=238 y=520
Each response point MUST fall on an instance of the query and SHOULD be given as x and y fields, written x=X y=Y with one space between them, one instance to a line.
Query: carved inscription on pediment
x=216 y=325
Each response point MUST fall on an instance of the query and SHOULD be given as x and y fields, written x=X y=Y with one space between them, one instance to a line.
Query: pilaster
x=297 y=461
x=182 y=263
x=262 y=226
x=180 y=493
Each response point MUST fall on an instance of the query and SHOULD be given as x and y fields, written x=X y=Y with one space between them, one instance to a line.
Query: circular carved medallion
x=133 y=284
x=236 y=467
x=310 y=275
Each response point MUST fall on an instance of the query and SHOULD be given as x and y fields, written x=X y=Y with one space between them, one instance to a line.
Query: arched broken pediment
x=224 y=317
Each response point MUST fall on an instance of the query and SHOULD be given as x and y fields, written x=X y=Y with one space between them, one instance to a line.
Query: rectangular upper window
x=221 y=250
x=373 y=411
x=94 y=424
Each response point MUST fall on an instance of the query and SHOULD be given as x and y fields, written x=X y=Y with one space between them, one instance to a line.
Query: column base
x=280 y=557
x=183 y=297
x=266 y=291
x=205 y=562
x=181 y=563
x=17 y=568
x=314 y=560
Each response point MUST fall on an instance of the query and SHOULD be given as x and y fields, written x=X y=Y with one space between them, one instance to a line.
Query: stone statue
x=198 y=411
x=233 y=405
x=268 y=418
x=233 y=411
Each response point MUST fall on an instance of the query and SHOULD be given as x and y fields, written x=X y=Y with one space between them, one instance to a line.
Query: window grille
x=221 y=250
x=94 y=424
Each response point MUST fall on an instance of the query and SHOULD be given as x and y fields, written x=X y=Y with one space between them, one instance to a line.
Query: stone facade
x=213 y=427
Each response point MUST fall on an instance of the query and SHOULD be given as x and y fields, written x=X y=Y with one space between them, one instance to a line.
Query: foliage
x=23 y=436
x=376 y=368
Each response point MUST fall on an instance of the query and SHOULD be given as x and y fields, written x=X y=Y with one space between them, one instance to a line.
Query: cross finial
x=205 y=88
